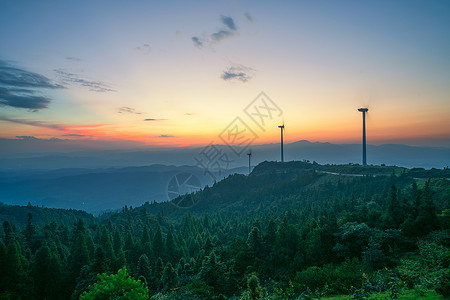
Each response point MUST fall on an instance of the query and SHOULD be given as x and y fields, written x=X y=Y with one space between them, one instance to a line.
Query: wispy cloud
x=128 y=110
x=237 y=72
x=221 y=34
x=75 y=135
x=145 y=48
x=18 y=88
x=92 y=85
x=34 y=123
x=197 y=41
x=229 y=29
x=72 y=58
x=15 y=77
x=229 y=22
x=151 y=119
x=22 y=99
x=248 y=17
x=165 y=136
x=32 y=138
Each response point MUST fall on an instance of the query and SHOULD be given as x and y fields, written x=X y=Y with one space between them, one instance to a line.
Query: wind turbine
x=249 y=165
x=364 y=110
x=282 y=129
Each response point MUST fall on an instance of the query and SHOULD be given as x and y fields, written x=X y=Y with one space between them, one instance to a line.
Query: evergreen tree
x=158 y=245
x=213 y=272
x=171 y=247
x=144 y=268
x=30 y=232
x=169 y=278
x=15 y=272
x=106 y=244
x=393 y=214
x=46 y=273
x=79 y=252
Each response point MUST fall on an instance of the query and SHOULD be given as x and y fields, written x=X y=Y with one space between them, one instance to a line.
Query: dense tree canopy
x=285 y=230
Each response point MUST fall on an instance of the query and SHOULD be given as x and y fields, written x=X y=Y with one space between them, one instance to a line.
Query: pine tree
x=46 y=273
x=15 y=272
x=106 y=244
x=146 y=243
x=393 y=214
x=171 y=247
x=143 y=268
x=213 y=272
x=158 y=245
x=169 y=278
x=79 y=252
x=29 y=232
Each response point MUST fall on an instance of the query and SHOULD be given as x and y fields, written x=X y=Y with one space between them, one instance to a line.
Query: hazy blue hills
x=323 y=153
x=96 y=190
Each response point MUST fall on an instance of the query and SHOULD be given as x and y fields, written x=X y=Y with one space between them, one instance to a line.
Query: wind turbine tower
x=364 y=110
x=282 y=129
x=249 y=159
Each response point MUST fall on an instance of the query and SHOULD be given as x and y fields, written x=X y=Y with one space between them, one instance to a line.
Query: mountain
x=97 y=190
x=324 y=153
x=282 y=232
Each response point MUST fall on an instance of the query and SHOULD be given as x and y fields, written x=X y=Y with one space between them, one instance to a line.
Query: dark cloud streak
x=92 y=85
x=150 y=119
x=238 y=72
x=128 y=110
x=34 y=123
x=14 y=77
x=18 y=88
x=229 y=22
x=22 y=100
x=229 y=31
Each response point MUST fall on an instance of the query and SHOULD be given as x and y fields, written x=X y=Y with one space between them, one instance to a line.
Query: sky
x=130 y=74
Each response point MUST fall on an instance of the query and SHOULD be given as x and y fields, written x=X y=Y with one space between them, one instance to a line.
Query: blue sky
x=160 y=73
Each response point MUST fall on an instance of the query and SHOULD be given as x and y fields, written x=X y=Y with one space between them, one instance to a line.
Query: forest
x=286 y=231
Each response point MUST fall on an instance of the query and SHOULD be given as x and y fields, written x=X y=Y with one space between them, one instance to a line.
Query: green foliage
x=116 y=286
x=335 y=279
x=302 y=231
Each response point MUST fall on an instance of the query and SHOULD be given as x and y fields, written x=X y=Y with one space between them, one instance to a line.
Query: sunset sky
x=177 y=73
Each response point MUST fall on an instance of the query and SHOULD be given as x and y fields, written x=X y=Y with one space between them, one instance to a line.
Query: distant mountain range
x=98 y=190
x=96 y=181
x=324 y=153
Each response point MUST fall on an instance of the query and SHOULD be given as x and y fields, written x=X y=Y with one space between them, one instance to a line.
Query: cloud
x=128 y=110
x=34 y=123
x=18 y=88
x=145 y=48
x=248 y=17
x=238 y=72
x=22 y=99
x=165 y=136
x=197 y=41
x=32 y=138
x=75 y=135
x=221 y=34
x=72 y=58
x=15 y=77
x=229 y=30
x=229 y=22
x=92 y=85
x=150 y=119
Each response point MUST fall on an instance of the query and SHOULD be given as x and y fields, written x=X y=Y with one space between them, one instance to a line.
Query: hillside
x=285 y=230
